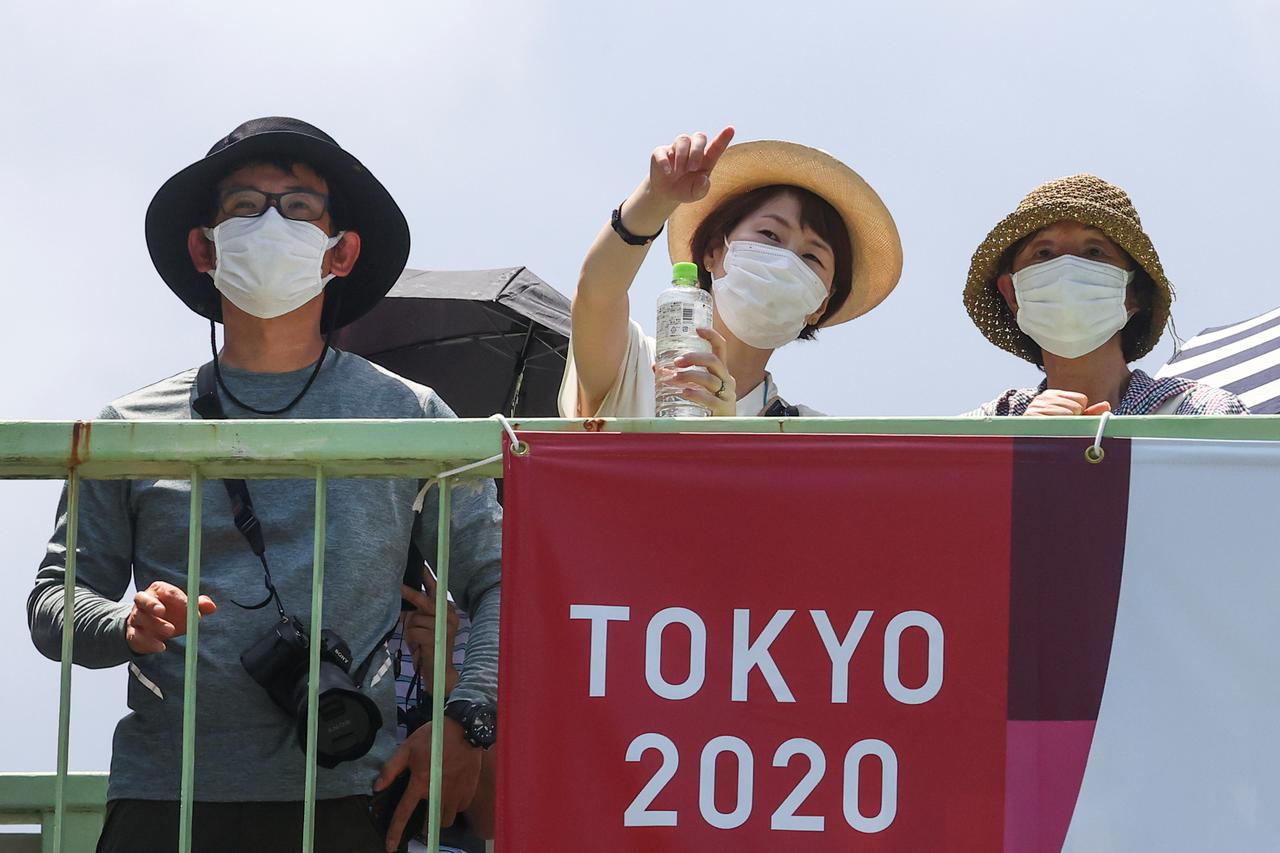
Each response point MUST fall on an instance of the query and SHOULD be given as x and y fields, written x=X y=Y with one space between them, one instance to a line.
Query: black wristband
x=627 y=237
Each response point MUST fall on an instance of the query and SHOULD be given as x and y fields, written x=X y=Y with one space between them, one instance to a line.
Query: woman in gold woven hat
x=1070 y=282
x=821 y=246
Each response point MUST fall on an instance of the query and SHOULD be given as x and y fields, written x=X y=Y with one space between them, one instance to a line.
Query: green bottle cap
x=685 y=274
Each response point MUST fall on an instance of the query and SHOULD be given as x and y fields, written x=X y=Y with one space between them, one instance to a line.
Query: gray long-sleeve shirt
x=246 y=747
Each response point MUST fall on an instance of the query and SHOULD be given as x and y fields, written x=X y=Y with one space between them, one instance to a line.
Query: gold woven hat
x=877 y=251
x=1081 y=198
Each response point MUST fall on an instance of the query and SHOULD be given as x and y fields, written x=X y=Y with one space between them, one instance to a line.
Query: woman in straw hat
x=788 y=240
x=1070 y=282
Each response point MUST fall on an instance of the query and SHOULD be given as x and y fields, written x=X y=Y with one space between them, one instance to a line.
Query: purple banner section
x=1069 y=519
x=1068 y=533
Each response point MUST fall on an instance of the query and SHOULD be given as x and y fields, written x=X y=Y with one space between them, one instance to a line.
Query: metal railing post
x=68 y=640
x=441 y=655
x=313 y=674
x=191 y=658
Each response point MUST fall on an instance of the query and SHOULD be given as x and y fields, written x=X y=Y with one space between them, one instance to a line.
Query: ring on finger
x=720 y=390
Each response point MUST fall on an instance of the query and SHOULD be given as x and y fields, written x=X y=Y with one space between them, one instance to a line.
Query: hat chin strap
x=328 y=337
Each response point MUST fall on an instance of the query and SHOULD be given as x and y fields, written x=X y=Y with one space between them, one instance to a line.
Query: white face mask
x=269 y=265
x=766 y=293
x=1071 y=306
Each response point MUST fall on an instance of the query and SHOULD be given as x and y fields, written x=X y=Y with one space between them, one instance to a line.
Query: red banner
x=759 y=642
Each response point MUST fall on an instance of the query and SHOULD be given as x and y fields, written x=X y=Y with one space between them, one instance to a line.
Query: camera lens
x=347 y=722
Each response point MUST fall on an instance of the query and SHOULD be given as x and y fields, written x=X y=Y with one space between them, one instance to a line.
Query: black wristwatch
x=627 y=237
x=479 y=721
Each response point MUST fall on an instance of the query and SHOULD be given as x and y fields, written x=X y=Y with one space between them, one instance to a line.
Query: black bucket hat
x=366 y=207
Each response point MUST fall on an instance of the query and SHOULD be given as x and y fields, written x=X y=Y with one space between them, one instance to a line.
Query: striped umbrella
x=1243 y=358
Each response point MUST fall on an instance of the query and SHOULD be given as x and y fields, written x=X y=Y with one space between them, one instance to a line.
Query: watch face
x=483 y=728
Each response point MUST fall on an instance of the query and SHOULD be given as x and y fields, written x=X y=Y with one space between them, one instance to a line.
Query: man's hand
x=461 y=773
x=1051 y=402
x=160 y=613
x=420 y=635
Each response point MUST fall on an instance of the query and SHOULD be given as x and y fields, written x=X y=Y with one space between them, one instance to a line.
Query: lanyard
x=209 y=407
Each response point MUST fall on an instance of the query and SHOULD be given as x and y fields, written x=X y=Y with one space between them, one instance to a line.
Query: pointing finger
x=717 y=147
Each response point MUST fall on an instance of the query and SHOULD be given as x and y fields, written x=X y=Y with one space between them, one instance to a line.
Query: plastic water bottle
x=683 y=308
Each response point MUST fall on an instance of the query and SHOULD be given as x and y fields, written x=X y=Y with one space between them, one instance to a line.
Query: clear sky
x=507 y=131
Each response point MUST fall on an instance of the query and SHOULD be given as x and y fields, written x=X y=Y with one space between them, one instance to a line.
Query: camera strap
x=209 y=407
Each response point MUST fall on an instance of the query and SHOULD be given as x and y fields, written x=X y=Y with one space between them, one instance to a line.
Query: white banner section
x=1186 y=755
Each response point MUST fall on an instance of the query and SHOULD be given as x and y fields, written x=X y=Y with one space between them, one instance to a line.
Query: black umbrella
x=486 y=340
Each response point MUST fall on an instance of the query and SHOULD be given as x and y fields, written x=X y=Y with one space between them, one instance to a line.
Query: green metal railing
x=417 y=449
x=29 y=798
x=198 y=451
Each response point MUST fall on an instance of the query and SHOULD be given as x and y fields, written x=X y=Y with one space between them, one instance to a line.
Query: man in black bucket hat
x=282 y=236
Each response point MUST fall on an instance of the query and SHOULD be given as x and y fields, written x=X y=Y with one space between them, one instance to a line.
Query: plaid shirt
x=409 y=688
x=410 y=691
x=1144 y=396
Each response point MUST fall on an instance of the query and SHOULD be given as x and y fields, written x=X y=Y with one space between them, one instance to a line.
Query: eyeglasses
x=305 y=205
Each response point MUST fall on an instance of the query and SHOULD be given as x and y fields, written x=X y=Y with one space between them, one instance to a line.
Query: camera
x=348 y=720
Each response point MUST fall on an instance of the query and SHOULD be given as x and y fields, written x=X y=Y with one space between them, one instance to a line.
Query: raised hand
x=680 y=173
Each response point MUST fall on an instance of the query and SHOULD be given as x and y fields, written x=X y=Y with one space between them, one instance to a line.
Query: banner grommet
x=517 y=447
x=1094 y=453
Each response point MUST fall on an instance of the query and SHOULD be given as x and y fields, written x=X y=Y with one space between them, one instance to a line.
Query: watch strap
x=627 y=237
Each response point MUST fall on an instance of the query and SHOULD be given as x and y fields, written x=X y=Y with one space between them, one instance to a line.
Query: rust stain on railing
x=80 y=433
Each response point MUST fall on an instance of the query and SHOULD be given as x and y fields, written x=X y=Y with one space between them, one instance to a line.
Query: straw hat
x=1081 y=198
x=877 y=252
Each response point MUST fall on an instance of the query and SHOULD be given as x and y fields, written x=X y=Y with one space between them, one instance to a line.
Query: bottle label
x=679 y=320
